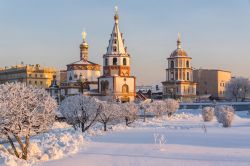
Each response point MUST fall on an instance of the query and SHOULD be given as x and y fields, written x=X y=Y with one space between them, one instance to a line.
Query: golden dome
x=178 y=52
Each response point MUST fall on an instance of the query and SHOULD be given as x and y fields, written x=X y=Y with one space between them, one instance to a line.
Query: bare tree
x=109 y=112
x=129 y=111
x=80 y=111
x=238 y=89
x=24 y=111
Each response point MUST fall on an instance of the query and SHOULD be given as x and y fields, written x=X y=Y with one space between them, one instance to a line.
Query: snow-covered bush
x=80 y=111
x=207 y=113
x=224 y=115
x=109 y=112
x=24 y=111
x=172 y=106
x=129 y=111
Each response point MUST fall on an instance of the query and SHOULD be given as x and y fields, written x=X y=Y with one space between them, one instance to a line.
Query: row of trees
x=83 y=111
x=238 y=89
x=26 y=111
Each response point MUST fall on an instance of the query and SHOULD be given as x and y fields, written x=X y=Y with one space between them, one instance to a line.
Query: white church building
x=116 y=80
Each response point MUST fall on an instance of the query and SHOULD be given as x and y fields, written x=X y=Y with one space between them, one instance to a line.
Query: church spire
x=116 y=42
x=116 y=17
x=84 y=47
x=179 y=41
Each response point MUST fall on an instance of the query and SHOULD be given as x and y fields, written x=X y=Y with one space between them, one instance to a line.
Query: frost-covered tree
x=24 y=111
x=207 y=113
x=109 y=112
x=224 y=115
x=80 y=111
x=171 y=106
x=146 y=106
x=159 y=107
x=238 y=89
x=129 y=111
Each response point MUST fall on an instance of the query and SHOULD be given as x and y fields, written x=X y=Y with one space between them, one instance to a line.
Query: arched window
x=125 y=88
x=172 y=64
x=124 y=61
x=106 y=62
x=114 y=61
x=188 y=76
x=187 y=63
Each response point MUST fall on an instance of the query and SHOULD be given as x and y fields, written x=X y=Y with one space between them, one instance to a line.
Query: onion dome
x=179 y=51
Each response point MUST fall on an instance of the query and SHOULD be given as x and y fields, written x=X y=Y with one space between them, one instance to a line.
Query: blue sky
x=215 y=33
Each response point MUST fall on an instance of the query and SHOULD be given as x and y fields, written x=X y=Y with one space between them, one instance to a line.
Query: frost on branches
x=224 y=115
x=129 y=111
x=208 y=114
x=24 y=111
x=238 y=89
x=109 y=112
x=80 y=111
x=172 y=106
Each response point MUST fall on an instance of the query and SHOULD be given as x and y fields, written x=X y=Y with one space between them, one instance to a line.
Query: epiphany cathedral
x=84 y=76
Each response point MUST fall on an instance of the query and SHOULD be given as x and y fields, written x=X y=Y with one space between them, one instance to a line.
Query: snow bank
x=48 y=146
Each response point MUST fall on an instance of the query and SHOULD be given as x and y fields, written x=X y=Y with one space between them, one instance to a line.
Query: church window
x=172 y=64
x=114 y=61
x=106 y=62
x=70 y=77
x=184 y=76
x=125 y=88
x=187 y=64
x=115 y=41
x=41 y=82
x=114 y=48
x=188 y=76
x=124 y=61
x=176 y=75
x=35 y=82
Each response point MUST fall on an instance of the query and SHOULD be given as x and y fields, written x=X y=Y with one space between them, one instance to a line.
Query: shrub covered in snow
x=80 y=111
x=172 y=106
x=207 y=113
x=146 y=106
x=224 y=115
x=24 y=111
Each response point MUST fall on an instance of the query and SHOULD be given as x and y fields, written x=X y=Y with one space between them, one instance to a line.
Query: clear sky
x=215 y=33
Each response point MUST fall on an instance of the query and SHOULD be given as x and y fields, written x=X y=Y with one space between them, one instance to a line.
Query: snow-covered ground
x=189 y=141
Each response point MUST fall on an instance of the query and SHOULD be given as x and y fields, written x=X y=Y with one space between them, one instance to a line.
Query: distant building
x=116 y=80
x=211 y=82
x=35 y=75
x=151 y=92
x=179 y=82
x=82 y=75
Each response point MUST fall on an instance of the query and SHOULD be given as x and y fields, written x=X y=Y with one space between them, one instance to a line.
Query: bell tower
x=116 y=79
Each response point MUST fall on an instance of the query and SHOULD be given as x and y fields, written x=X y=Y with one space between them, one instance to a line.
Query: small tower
x=116 y=79
x=84 y=48
x=179 y=75
x=82 y=75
